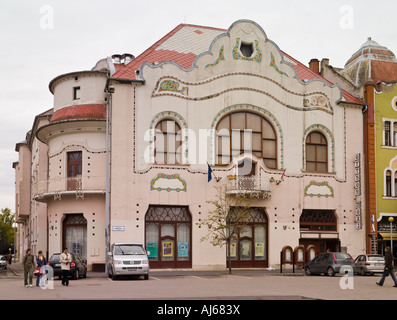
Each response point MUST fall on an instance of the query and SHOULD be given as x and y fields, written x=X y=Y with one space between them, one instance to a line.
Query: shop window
x=246 y=132
x=168 y=142
x=250 y=247
x=316 y=153
x=168 y=236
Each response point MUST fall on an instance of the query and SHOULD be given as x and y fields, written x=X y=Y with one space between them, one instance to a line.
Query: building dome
x=372 y=62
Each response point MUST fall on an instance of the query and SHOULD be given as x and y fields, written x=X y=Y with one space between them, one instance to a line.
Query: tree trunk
x=229 y=259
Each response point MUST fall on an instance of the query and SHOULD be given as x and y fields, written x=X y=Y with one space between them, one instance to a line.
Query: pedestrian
x=28 y=267
x=41 y=263
x=9 y=258
x=388 y=268
x=65 y=260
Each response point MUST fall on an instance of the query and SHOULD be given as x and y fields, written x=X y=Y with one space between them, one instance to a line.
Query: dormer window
x=76 y=93
x=247 y=49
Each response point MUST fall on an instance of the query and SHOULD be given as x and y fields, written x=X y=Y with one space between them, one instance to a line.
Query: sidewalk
x=17 y=269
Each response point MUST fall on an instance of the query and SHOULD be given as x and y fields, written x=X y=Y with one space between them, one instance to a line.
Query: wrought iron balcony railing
x=252 y=186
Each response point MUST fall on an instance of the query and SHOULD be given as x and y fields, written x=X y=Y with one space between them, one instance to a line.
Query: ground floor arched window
x=251 y=248
x=168 y=234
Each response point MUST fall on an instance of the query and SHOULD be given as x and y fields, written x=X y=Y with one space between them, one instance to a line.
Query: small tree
x=227 y=219
x=6 y=228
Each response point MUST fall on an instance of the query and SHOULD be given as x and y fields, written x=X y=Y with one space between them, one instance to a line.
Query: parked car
x=3 y=263
x=128 y=259
x=78 y=266
x=328 y=263
x=369 y=263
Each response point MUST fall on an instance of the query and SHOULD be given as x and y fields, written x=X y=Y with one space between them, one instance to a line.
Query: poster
x=259 y=249
x=167 y=249
x=152 y=248
x=233 y=249
x=183 y=249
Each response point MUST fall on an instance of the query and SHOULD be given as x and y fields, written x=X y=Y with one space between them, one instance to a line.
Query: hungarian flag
x=209 y=173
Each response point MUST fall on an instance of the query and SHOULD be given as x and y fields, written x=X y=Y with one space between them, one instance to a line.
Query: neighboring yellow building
x=386 y=161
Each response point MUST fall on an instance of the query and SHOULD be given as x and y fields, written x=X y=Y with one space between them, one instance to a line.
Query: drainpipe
x=109 y=90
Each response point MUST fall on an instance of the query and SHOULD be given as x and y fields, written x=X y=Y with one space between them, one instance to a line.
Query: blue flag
x=209 y=173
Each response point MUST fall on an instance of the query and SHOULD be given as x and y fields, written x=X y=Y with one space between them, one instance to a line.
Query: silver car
x=128 y=259
x=369 y=263
x=3 y=263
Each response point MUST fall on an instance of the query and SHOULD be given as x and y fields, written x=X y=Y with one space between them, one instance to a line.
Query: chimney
x=314 y=65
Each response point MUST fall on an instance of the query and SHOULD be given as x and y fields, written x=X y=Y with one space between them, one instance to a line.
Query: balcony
x=251 y=186
x=58 y=187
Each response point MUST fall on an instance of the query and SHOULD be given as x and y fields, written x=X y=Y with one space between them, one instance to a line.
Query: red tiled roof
x=305 y=73
x=85 y=111
x=155 y=54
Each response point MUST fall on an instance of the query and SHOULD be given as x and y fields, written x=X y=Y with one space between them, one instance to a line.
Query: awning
x=386 y=235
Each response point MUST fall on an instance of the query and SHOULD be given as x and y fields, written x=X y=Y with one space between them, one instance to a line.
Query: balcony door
x=246 y=173
x=75 y=164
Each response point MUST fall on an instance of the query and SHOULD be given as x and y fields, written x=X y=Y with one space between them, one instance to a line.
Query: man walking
x=388 y=268
x=65 y=260
x=28 y=267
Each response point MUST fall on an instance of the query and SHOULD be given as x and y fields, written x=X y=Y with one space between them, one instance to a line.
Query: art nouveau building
x=269 y=127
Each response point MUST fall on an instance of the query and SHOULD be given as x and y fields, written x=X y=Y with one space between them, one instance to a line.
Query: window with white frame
x=389 y=133
x=246 y=132
x=168 y=142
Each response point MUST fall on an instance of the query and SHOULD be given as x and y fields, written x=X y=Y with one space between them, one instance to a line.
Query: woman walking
x=28 y=267
x=41 y=263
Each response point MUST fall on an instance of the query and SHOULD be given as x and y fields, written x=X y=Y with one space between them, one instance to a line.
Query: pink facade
x=225 y=97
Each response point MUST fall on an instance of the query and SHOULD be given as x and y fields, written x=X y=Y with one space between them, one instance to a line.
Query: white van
x=128 y=259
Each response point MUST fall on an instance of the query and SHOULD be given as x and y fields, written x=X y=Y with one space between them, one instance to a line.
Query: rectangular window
x=75 y=163
x=76 y=93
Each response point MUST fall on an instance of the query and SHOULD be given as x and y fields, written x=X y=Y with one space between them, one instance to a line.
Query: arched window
x=388 y=183
x=168 y=142
x=316 y=152
x=246 y=132
x=169 y=236
x=317 y=220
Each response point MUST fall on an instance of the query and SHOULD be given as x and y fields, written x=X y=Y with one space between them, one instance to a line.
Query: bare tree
x=226 y=220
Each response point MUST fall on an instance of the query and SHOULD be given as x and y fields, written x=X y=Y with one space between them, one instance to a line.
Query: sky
x=40 y=40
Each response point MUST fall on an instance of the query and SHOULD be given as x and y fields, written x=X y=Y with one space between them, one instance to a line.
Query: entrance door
x=246 y=172
x=169 y=237
x=250 y=249
x=75 y=234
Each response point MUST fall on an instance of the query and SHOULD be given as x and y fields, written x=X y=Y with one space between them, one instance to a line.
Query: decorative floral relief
x=318 y=101
x=221 y=57
x=273 y=64
x=172 y=86
x=319 y=189
x=166 y=182
x=237 y=55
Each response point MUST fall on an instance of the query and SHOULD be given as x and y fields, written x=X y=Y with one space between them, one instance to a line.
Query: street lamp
x=391 y=219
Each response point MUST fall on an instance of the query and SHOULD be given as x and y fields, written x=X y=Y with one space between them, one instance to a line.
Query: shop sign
x=357 y=190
